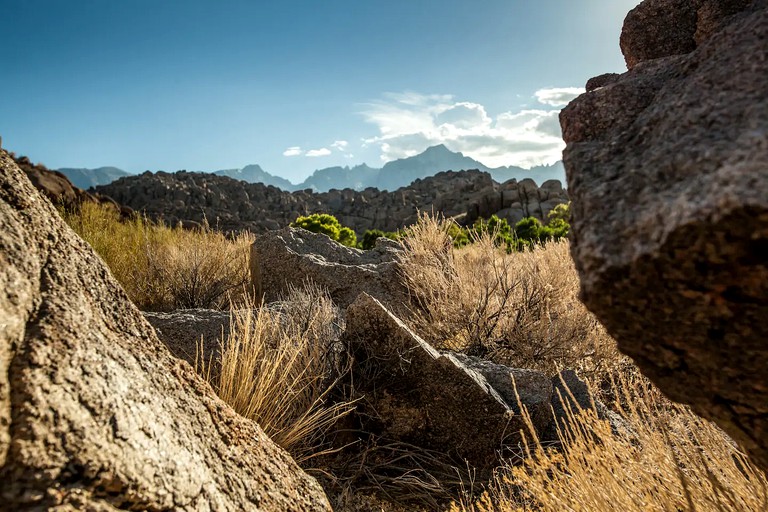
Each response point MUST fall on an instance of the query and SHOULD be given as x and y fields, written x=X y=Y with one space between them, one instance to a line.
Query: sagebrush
x=520 y=309
x=164 y=268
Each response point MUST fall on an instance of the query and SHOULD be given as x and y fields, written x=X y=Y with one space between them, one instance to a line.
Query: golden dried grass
x=163 y=268
x=519 y=309
x=669 y=459
x=278 y=368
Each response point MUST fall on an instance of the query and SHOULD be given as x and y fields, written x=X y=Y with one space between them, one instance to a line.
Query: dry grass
x=519 y=309
x=671 y=460
x=522 y=309
x=402 y=476
x=278 y=368
x=163 y=268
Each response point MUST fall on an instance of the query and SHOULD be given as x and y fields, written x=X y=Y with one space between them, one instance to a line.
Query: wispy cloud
x=410 y=122
x=318 y=152
x=293 y=151
x=340 y=145
x=558 y=96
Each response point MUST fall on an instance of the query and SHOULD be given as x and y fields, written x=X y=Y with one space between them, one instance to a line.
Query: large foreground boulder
x=292 y=256
x=668 y=175
x=95 y=413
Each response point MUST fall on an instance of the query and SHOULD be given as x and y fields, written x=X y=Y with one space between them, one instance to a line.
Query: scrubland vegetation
x=163 y=268
x=518 y=308
x=668 y=459
x=526 y=234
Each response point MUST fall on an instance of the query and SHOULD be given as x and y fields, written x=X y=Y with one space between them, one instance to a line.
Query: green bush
x=328 y=225
x=459 y=235
x=369 y=239
x=498 y=228
x=530 y=228
x=561 y=212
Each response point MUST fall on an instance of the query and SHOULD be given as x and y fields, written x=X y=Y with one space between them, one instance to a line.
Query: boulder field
x=96 y=413
x=232 y=205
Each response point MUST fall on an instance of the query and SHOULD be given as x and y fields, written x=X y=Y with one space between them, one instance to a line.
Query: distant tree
x=531 y=231
x=328 y=225
x=557 y=229
x=560 y=212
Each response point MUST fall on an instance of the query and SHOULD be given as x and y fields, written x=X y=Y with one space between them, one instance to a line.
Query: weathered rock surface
x=292 y=256
x=235 y=205
x=455 y=404
x=95 y=413
x=414 y=394
x=668 y=172
x=533 y=388
x=185 y=331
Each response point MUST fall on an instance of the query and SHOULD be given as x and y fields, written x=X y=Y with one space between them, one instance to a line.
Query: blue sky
x=295 y=85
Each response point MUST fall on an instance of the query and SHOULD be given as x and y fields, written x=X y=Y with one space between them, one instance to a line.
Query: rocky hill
x=234 y=205
x=57 y=187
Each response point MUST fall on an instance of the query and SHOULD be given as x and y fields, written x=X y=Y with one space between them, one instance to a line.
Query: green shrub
x=498 y=229
x=560 y=212
x=531 y=231
x=459 y=235
x=369 y=239
x=328 y=225
x=530 y=228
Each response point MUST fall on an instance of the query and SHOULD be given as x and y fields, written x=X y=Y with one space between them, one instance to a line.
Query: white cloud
x=340 y=145
x=293 y=151
x=318 y=152
x=558 y=96
x=408 y=123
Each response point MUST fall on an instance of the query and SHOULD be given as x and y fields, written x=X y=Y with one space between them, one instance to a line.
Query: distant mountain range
x=255 y=174
x=393 y=175
x=402 y=172
x=87 y=178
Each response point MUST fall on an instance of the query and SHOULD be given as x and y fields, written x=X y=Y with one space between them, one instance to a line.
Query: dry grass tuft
x=671 y=460
x=519 y=309
x=278 y=367
x=163 y=268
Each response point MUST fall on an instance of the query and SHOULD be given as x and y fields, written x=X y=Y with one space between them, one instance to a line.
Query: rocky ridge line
x=234 y=205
